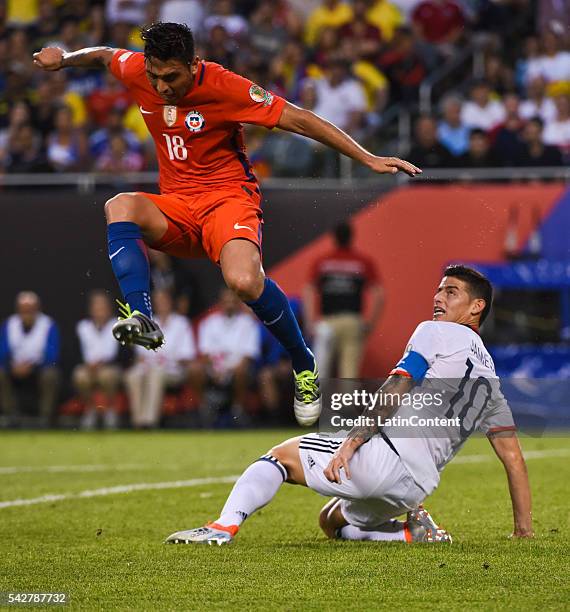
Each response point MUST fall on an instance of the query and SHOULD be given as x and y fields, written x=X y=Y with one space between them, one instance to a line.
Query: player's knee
x=283 y=454
x=325 y=524
x=280 y=453
x=81 y=378
x=122 y=207
x=331 y=518
x=288 y=456
x=246 y=285
x=109 y=378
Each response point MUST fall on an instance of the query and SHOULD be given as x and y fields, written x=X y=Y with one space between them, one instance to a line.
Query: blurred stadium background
x=476 y=92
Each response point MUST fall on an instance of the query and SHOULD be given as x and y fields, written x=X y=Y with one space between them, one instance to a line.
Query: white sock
x=391 y=531
x=255 y=488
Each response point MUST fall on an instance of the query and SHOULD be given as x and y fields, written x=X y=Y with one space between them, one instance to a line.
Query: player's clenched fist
x=49 y=58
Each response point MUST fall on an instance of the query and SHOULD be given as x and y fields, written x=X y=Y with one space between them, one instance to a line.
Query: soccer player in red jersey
x=209 y=202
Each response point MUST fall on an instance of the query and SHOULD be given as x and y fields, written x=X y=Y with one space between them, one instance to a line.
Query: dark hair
x=538 y=120
x=343 y=234
x=165 y=41
x=479 y=286
x=478 y=132
x=476 y=83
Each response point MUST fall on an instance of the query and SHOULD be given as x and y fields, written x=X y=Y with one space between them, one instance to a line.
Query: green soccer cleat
x=307 y=404
x=133 y=327
x=420 y=527
x=212 y=533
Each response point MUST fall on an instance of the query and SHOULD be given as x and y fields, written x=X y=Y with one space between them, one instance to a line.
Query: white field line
x=196 y=482
x=143 y=486
x=56 y=469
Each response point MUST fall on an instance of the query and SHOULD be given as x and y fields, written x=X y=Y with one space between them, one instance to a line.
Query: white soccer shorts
x=381 y=487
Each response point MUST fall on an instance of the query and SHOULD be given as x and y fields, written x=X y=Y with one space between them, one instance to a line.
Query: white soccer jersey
x=227 y=340
x=98 y=345
x=462 y=371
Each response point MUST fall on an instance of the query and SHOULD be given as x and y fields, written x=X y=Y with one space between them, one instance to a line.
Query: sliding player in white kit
x=386 y=476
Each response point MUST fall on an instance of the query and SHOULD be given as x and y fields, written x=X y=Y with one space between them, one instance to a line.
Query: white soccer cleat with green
x=308 y=402
x=134 y=327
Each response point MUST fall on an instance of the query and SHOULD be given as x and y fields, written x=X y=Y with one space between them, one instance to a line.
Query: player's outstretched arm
x=392 y=390
x=507 y=448
x=54 y=58
x=306 y=123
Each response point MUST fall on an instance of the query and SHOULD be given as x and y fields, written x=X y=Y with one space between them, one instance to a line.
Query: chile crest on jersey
x=195 y=121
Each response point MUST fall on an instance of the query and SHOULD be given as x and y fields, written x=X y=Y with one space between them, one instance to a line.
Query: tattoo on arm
x=390 y=391
x=91 y=57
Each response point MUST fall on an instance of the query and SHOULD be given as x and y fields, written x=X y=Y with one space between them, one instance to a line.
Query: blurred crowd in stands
x=218 y=369
x=206 y=370
x=349 y=61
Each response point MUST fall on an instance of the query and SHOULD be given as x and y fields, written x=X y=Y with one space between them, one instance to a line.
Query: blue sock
x=127 y=253
x=274 y=311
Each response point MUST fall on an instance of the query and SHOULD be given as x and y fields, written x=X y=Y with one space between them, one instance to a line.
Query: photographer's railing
x=87 y=182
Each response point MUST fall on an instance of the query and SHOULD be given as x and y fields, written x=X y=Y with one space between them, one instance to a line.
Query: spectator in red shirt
x=506 y=137
x=438 y=24
x=339 y=279
x=106 y=99
x=327 y=47
x=360 y=39
x=438 y=21
x=404 y=66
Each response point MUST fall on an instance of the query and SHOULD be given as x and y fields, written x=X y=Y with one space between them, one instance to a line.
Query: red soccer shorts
x=201 y=223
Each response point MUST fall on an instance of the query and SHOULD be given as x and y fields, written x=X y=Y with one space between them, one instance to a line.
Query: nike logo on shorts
x=145 y=112
x=237 y=226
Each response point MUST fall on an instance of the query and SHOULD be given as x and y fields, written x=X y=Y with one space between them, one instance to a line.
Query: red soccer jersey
x=438 y=19
x=199 y=142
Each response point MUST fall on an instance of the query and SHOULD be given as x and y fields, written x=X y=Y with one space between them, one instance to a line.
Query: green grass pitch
x=105 y=548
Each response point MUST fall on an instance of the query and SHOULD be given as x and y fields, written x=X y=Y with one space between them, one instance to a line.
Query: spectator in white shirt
x=557 y=132
x=340 y=98
x=155 y=371
x=99 y=370
x=553 y=65
x=480 y=111
x=229 y=342
x=190 y=12
x=537 y=104
x=225 y=15
x=29 y=353
x=126 y=11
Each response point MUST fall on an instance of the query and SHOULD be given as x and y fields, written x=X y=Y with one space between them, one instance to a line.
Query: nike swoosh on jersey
x=142 y=110
x=237 y=226
x=116 y=252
